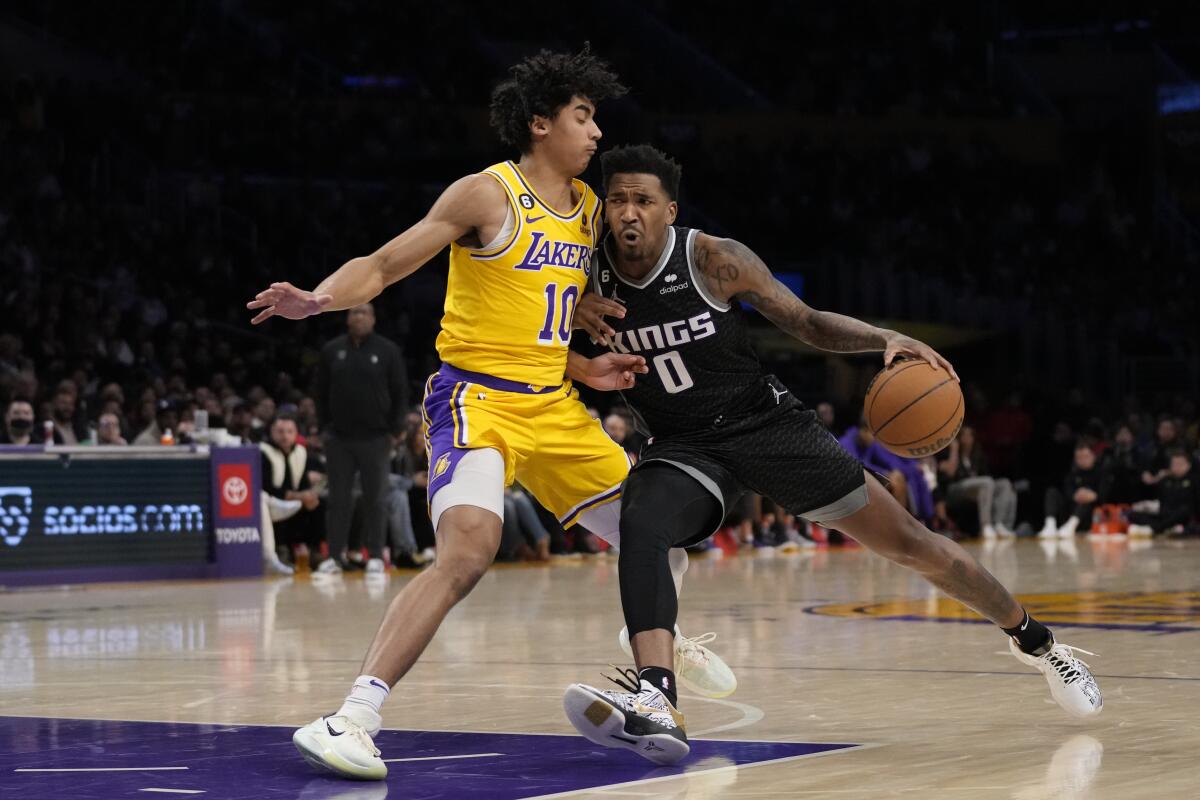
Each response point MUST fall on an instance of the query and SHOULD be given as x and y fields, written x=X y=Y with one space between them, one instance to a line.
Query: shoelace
x=1062 y=657
x=691 y=647
x=364 y=739
x=360 y=735
x=634 y=682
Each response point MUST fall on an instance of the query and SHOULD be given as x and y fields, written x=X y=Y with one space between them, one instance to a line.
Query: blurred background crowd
x=1014 y=184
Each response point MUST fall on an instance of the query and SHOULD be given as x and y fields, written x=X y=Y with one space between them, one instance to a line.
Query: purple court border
x=113 y=758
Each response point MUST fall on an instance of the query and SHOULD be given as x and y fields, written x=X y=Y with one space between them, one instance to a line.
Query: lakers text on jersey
x=510 y=304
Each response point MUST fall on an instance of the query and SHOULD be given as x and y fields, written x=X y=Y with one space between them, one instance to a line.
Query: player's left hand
x=590 y=314
x=614 y=371
x=282 y=299
x=900 y=345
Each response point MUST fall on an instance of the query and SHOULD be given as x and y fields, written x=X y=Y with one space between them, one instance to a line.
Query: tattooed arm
x=730 y=269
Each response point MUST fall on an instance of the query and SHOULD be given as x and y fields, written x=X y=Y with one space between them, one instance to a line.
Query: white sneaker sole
x=326 y=760
x=600 y=723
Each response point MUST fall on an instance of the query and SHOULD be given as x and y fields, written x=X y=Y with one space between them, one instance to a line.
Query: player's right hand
x=285 y=300
x=590 y=314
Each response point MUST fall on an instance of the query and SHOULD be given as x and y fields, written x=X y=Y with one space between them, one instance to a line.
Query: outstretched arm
x=730 y=269
x=467 y=205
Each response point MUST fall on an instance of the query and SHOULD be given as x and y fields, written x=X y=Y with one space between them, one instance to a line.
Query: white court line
x=102 y=769
x=440 y=758
x=174 y=791
x=701 y=773
x=750 y=715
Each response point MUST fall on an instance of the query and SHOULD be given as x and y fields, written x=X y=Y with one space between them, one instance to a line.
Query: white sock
x=364 y=702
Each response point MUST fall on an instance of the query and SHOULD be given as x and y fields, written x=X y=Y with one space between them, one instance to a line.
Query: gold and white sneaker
x=339 y=745
x=1071 y=682
x=641 y=719
x=699 y=669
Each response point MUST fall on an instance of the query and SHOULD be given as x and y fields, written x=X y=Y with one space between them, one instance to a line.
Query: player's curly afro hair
x=542 y=84
x=642 y=158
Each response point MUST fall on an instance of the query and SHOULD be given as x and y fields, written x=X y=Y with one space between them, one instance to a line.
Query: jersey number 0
x=672 y=372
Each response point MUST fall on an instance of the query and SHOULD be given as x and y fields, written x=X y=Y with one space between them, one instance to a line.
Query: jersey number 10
x=565 y=305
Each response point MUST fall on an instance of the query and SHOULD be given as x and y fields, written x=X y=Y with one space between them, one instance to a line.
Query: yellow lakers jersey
x=509 y=307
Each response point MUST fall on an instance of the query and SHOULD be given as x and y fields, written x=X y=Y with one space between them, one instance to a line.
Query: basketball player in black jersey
x=720 y=426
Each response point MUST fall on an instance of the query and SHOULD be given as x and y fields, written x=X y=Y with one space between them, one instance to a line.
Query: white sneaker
x=282 y=510
x=988 y=532
x=1141 y=531
x=375 y=566
x=1004 y=531
x=1071 y=683
x=1067 y=531
x=329 y=566
x=339 y=745
x=643 y=721
x=273 y=566
x=1049 y=530
x=699 y=669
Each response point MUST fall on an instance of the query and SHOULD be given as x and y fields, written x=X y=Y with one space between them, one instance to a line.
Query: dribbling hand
x=900 y=345
x=285 y=300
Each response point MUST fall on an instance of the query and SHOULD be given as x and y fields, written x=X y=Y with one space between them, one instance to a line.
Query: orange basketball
x=914 y=409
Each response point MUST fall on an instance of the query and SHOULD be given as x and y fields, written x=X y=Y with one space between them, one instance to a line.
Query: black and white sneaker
x=639 y=718
x=1071 y=682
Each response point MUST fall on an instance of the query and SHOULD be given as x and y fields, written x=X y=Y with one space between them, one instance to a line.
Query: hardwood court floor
x=830 y=646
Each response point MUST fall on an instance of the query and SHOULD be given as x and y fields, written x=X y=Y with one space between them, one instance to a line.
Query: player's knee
x=467 y=542
x=462 y=571
x=641 y=535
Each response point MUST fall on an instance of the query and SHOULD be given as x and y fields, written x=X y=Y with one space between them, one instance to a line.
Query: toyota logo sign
x=235 y=490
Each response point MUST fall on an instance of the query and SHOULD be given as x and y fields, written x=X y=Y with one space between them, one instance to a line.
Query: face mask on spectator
x=20 y=427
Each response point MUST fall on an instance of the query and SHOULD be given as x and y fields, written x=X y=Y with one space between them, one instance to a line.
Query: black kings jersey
x=702 y=367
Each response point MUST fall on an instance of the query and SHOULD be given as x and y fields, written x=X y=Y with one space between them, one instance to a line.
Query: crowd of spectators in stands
x=135 y=222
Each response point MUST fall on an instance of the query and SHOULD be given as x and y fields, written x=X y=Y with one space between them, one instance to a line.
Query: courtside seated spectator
x=19 y=427
x=63 y=410
x=411 y=463
x=1087 y=484
x=287 y=474
x=966 y=470
x=1167 y=440
x=166 y=418
x=905 y=480
x=1178 y=499
x=523 y=536
x=108 y=430
x=1122 y=460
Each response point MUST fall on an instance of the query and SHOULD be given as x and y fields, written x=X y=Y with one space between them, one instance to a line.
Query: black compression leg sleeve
x=661 y=506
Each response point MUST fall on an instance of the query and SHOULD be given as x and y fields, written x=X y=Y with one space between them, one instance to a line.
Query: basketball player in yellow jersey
x=521 y=237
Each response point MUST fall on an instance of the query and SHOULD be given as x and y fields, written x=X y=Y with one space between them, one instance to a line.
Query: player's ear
x=539 y=126
x=672 y=212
